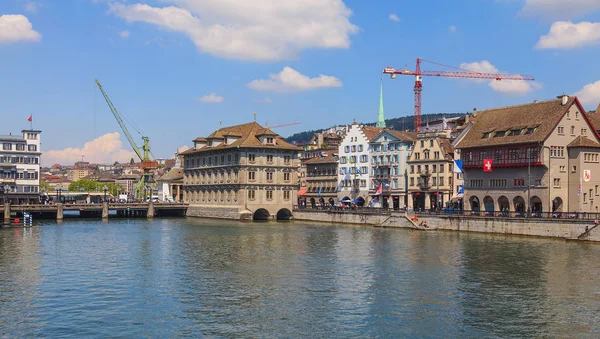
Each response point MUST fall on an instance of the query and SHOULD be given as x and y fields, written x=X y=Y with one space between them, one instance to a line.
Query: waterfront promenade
x=57 y=211
x=569 y=226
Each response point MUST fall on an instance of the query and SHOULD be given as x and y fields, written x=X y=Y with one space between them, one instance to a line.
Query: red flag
x=30 y=118
x=487 y=165
x=379 y=189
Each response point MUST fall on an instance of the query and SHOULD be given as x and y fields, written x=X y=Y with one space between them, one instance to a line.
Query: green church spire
x=380 y=117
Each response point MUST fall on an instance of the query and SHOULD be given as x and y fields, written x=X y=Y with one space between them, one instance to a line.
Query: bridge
x=102 y=210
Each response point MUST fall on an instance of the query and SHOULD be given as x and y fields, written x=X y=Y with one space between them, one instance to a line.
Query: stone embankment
x=554 y=228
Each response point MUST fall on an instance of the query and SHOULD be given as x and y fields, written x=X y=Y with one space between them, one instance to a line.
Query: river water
x=190 y=277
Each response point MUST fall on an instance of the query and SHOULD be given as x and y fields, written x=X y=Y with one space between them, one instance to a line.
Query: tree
x=131 y=162
x=92 y=186
x=45 y=185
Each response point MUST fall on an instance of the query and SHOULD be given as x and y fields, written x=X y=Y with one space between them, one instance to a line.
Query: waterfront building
x=241 y=171
x=127 y=183
x=77 y=173
x=320 y=182
x=389 y=152
x=430 y=171
x=170 y=185
x=20 y=167
x=354 y=179
x=543 y=156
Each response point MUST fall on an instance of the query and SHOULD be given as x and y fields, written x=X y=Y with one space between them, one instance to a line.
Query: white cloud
x=104 y=149
x=452 y=29
x=31 y=6
x=394 y=17
x=15 y=28
x=263 y=30
x=212 y=98
x=124 y=34
x=589 y=94
x=556 y=9
x=263 y=101
x=502 y=86
x=566 y=35
x=289 y=80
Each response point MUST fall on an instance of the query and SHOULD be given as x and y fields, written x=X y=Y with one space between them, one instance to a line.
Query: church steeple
x=380 y=117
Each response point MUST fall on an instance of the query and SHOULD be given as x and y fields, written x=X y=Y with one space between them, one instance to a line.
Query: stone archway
x=503 y=204
x=474 y=203
x=519 y=204
x=536 y=204
x=261 y=214
x=557 y=204
x=488 y=204
x=360 y=201
x=284 y=214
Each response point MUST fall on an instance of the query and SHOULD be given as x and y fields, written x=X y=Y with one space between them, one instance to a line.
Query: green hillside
x=402 y=123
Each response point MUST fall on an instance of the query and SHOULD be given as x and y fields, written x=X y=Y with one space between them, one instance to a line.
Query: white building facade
x=20 y=167
x=389 y=152
x=354 y=178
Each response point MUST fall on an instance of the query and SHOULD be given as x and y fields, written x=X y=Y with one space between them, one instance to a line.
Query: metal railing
x=340 y=209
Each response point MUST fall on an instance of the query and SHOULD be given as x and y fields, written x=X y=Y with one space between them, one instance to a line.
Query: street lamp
x=105 y=189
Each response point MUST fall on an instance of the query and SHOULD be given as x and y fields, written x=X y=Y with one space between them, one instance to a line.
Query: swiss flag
x=487 y=165
x=30 y=118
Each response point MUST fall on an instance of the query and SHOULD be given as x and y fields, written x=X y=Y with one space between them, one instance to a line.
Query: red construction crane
x=461 y=73
x=282 y=125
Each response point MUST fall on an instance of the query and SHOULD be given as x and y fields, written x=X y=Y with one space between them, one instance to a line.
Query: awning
x=301 y=192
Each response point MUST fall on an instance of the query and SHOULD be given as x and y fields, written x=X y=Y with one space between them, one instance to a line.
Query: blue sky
x=313 y=61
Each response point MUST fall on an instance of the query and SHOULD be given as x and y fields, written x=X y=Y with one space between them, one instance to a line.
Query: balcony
x=424 y=184
x=424 y=173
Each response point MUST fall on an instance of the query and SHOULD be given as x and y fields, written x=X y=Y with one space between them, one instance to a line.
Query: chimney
x=565 y=99
x=475 y=111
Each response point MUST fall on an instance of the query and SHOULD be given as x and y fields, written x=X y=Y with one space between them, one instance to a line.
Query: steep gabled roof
x=583 y=142
x=541 y=116
x=371 y=132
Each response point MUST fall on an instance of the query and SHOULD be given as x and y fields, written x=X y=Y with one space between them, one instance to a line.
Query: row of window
x=509 y=132
x=353 y=183
x=424 y=182
x=352 y=159
x=500 y=183
x=7 y=146
x=434 y=168
x=18 y=175
x=268 y=195
x=561 y=130
x=269 y=176
x=388 y=147
x=426 y=155
x=590 y=157
x=224 y=160
x=19 y=160
x=21 y=189
x=557 y=151
x=353 y=148
x=211 y=177
x=364 y=170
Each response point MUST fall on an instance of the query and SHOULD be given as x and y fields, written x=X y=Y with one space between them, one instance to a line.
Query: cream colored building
x=75 y=174
x=545 y=158
x=430 y=171
x=241 y=172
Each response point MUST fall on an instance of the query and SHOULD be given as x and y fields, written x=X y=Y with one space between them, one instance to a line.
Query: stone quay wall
x=554 y=228
x=215 y=212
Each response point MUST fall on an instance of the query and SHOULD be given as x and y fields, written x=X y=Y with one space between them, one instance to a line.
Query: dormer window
x=499 y=134
x=514 y=132
x=270 y=140
x=530 y=130
x=487 y=135
x=209 y=143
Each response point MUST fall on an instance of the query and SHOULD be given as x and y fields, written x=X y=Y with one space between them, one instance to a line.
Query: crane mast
x=117 y=116
x=146 y=183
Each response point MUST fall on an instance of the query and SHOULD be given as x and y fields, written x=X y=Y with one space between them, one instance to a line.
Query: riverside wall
x=554 y=228
x=216 y=212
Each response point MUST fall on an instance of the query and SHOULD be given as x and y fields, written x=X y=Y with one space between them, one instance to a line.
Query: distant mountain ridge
x=399 y=124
